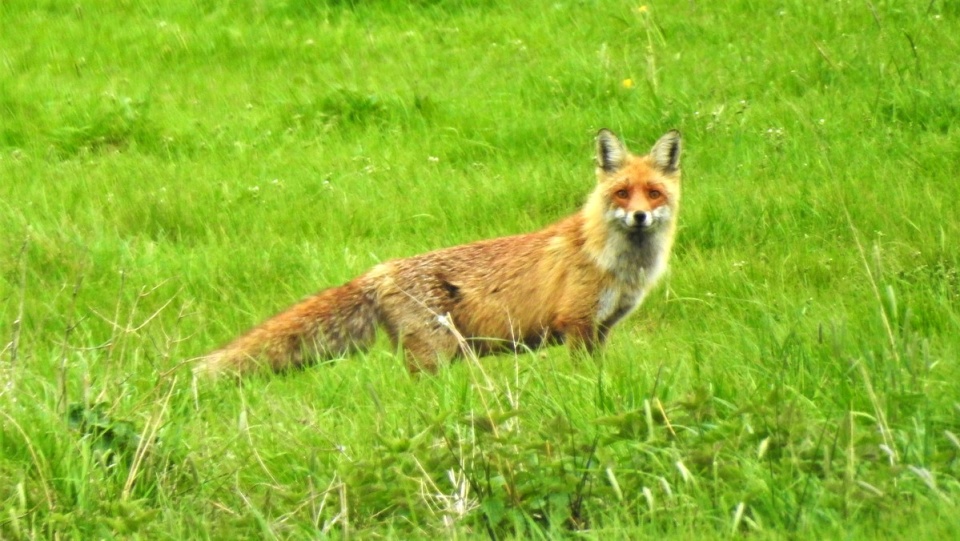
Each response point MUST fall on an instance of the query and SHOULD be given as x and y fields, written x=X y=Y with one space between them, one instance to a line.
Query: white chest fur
x=636 y=269
x=616 y=303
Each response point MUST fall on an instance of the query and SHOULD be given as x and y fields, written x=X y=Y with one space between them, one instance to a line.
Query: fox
x=569 y=283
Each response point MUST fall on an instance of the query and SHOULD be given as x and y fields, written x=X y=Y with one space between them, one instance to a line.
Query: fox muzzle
x=641 y=219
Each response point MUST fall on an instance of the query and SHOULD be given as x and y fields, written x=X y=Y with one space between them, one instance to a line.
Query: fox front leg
x=581 y=336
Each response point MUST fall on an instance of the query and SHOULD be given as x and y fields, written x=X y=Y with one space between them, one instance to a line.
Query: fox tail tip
x=209 y=366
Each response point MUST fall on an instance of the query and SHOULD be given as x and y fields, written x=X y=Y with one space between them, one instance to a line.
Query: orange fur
x=570 y=282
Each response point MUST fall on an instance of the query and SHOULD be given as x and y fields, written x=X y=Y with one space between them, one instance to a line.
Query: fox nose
x=642 y=218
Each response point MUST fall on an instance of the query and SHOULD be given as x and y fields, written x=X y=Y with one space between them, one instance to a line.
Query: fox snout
x=642 y=219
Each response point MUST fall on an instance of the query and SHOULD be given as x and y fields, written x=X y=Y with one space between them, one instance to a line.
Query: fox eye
x=654 y=194
x=622 y=194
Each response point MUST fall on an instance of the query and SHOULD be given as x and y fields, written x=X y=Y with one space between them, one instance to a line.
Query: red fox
x=570 y=282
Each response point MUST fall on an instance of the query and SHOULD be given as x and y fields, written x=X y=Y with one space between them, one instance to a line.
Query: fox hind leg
x=425 y=349
x=425 y=341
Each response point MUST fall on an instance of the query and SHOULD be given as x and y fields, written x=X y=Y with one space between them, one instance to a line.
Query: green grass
x=173 y=172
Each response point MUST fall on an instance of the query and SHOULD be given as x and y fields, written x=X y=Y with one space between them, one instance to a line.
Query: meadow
x=173 y=172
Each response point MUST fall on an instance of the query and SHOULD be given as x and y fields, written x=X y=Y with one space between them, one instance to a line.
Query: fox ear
x=666 y=152
x=610 y=151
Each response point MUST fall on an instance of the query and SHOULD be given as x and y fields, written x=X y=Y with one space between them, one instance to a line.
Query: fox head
x=638 y=194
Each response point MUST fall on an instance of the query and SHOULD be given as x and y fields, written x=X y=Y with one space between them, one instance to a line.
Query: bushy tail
x=330 y=324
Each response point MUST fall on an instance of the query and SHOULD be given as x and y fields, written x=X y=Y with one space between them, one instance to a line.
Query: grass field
x=173 y=172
